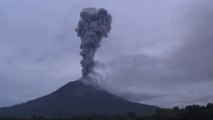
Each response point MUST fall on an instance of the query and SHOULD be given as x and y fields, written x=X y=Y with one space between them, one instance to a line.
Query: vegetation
x=193 y=112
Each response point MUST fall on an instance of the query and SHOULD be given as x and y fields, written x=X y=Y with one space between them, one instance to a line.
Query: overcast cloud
x=158 y=52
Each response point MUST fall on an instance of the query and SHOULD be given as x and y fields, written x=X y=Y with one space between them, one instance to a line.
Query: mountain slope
x=76 y=98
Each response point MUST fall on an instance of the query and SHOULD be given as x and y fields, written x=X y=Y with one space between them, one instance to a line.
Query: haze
x=158 y=52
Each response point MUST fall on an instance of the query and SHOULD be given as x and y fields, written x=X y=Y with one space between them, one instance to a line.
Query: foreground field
x=193 y=112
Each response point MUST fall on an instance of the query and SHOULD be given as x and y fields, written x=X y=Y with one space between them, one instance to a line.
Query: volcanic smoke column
x=92 y=27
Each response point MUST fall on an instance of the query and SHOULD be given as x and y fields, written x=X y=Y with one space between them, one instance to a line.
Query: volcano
x=76 y=98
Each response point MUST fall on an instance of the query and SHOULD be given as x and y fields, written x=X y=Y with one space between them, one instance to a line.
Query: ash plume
x=94 y=25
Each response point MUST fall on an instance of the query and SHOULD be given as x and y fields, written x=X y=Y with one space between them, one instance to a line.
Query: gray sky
x=158 y=52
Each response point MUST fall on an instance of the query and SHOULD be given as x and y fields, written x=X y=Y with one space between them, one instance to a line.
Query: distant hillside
x=76 y=98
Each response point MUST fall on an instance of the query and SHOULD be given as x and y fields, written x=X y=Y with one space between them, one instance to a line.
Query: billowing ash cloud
x=93 y=26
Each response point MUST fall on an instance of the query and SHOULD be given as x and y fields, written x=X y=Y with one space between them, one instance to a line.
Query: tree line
x=192 y=112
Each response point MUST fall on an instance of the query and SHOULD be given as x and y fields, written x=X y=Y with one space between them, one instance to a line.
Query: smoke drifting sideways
x=94 y=25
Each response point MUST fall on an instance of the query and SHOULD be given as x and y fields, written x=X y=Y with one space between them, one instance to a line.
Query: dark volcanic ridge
x=76 y=98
